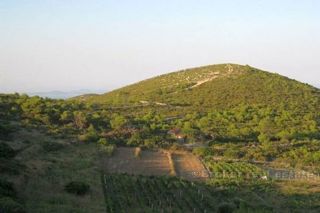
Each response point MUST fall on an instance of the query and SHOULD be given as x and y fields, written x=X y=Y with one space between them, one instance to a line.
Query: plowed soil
x=149 y=162
x=189 y=166
x=157 y=163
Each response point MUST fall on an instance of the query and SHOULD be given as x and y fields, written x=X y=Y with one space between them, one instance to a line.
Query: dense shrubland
x=245 y=115
x=251 y=132
x=242 y=85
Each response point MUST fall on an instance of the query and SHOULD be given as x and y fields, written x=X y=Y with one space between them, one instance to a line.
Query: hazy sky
x=77 y=44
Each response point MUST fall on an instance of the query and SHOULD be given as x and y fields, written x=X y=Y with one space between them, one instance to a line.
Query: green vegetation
x=157 y=194
x=231 y=116
x=8 y=198
x=235 y=170
x=52 y=146
x=7 y=204
x=302 y=154
x=125 y=193
x=227 y=86
x=77 y=187
x=6 y=151
x=34 y=179
x=106 y=148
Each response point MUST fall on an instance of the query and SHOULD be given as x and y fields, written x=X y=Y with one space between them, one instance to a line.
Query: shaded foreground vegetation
x=126 y=193
x=38 y=178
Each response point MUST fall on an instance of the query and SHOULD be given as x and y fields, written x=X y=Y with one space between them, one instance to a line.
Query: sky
x=104 y=44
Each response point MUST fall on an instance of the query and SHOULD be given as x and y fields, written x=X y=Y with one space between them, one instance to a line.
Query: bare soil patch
x=124 y=160
x=182 y=164
x=189 y=167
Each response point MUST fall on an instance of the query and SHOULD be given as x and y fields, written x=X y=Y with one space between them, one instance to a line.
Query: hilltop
x=215 y=86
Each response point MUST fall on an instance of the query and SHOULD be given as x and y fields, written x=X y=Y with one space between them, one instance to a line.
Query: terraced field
x=159 y=163
x=189 y=166
x=148 y=163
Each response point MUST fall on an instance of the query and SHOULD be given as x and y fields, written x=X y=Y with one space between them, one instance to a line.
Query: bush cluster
x=6 y=151
x=77 y=188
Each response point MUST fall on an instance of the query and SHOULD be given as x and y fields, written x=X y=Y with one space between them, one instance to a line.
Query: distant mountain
x=215 y=86
x=65 y=94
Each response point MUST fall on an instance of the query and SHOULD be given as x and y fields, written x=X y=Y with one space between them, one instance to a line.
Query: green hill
x=232 y=116
x=215 y=86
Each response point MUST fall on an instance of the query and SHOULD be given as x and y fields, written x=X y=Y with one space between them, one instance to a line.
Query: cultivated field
x=158 y=163
x=189 y=166
x=127 y=193
x=148 y=163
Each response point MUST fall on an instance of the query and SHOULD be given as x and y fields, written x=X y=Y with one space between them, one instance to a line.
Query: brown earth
x=189 y=167
x=148 y=163
x=182 y=164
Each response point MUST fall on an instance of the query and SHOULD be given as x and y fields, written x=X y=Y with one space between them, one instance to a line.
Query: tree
x=201 y=151
x=118 y=121
x=149 y=143
x=66 y=117
x=80 y=119
x=267 y=129
x=92 y=133
x=90 y=136
x=6 y=151
x=263 y=138
x=136 y=139
x=103 y=142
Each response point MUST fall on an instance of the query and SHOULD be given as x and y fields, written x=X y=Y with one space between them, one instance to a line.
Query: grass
x=45 y=192
x=50 y=164
x=41 y=185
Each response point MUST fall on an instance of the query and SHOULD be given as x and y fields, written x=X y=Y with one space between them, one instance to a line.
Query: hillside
x=224 y=136
x=215 y=86
x=40 y=166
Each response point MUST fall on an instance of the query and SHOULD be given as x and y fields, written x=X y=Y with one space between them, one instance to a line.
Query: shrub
x=52 y=146
x=107 y=149
x=233 y=153
x=201 y=151
x=90 y=136
x=135 y=140
x=177 y=147
x=8 y=204
x=6 y=151
x=240 y=204
x=137 y=152
x=103 y=142
x=77 y=187
x=83 y=138
x=12 y=167
x=6 y=188
x=150 y=143
x=226 y=208
x=5 y=131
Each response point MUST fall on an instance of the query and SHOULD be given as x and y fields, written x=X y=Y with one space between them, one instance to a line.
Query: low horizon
x=67 y=45
x=80 y=91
